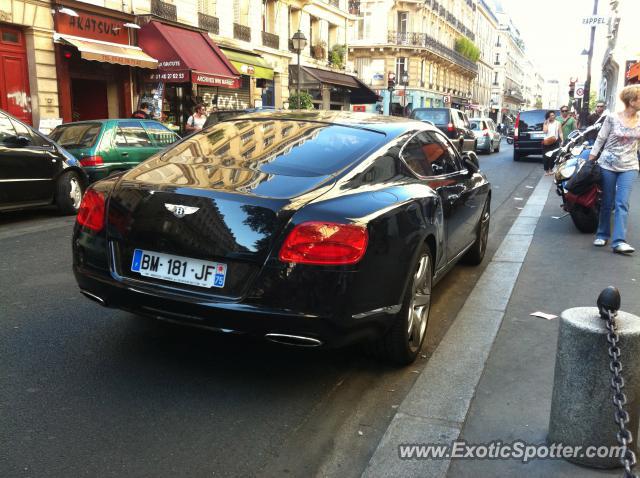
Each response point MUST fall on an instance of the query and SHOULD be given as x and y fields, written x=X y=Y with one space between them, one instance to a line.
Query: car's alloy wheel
x=75 y=192
x=68 y=193
x=418 y=312
x=475 y=254
x=401 y=344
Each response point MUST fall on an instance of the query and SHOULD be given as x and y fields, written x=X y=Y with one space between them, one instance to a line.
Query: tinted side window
x=159 y=134
x=133 y=134
x=427 y=155
x=6 y=128
x=23 y=130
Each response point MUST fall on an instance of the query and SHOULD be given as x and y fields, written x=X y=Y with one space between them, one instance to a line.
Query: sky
x=555 y=38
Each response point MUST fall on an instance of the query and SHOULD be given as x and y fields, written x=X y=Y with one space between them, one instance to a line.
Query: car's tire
x=517 y=156
x=69 y=189
x=585 y=219
x=401 y=344
x=497 y=149
x=475 y=254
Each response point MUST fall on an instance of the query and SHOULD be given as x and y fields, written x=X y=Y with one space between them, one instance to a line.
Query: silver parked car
x=487 y=134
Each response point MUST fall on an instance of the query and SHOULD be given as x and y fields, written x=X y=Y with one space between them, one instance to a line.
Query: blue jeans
x=616 y=189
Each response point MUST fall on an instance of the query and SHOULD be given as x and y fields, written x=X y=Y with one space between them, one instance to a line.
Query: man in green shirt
x=567 y=122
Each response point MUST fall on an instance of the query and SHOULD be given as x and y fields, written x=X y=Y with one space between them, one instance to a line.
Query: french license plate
x=179 y=269
x=537 y=135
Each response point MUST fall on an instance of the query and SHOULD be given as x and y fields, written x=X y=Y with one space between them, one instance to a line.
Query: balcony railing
x=335 y=3
x=425 y=41
x=209 y=23
x=241 y=32
x=164 y=10
x=270 y=40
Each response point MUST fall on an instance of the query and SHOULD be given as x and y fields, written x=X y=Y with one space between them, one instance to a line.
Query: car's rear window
x=283 y=147
x=476 y=125
x=531 y=120
x=436 y=116
x=81 y=135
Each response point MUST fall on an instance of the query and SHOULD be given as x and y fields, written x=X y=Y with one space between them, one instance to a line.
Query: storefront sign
x=204 y=79
x=96 y=27
x=247 y=69
x=169 y=64
x=169 y=76
x=120 y=60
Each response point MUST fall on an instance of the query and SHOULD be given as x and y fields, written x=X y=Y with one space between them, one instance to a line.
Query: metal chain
x=624 y=436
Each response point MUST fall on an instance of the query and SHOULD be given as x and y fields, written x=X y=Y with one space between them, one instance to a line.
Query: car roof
x=389 y=125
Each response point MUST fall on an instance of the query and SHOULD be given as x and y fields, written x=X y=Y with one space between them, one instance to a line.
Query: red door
x=15 y=97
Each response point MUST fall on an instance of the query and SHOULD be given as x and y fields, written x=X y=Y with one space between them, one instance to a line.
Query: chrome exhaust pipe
x=296 y=340
x=93 y=297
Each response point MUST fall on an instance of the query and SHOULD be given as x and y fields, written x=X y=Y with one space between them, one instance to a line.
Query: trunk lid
x=233 y=224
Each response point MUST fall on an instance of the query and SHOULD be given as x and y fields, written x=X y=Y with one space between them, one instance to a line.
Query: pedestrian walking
x=196 y=121
x=144 y=112
x=618 y=141
x=552 y=138
x=567 y=122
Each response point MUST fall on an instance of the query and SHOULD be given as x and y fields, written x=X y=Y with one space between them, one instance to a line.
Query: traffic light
x=391 y=81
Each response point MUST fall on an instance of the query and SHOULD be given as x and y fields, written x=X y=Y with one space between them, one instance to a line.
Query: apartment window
x=497 y=58
x=208 y=7
x=402 y=21
x=401 y=67
x=495 y=78
x=241 y=12
x=268 y=16
x=333 y=35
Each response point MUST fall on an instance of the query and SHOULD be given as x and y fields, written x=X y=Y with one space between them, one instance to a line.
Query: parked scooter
x=585 y=207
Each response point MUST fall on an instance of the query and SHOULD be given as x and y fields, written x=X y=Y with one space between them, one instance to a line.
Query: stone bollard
x=582 y=409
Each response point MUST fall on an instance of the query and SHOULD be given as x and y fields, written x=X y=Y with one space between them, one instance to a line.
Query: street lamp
x=299 y=42
x=405 y=82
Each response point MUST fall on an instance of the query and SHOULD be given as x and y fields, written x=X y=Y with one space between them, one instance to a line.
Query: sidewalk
x=513 y=399
x=485 y=387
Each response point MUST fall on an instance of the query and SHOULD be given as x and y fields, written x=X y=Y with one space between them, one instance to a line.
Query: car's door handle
x=124 y=154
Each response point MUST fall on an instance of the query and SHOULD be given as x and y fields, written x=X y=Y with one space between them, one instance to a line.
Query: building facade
x=417 y=41
x=486 y=33
x=621 y=62
x=507 y=96
x=27 y=61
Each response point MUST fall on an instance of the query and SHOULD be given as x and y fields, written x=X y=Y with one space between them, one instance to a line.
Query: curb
x=435 y=408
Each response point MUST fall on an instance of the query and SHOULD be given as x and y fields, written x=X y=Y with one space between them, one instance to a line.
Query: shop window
x=131 y=134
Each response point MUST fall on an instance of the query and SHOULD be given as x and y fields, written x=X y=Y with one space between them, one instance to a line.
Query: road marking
x=436 y=407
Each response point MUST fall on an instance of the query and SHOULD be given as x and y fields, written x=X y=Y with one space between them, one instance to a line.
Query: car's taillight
x=92 y=161
x=91 y=212
x=325 y=243
x=486 y=132
x=450 y=127
x=515 y=129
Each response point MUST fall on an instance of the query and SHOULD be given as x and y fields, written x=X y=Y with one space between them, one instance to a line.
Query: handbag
x=584 y=178
x=550 y=140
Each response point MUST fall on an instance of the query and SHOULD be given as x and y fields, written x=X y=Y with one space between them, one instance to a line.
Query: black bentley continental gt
x=305 y=228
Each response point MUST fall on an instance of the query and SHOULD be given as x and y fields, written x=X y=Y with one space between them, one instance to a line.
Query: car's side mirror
x=470 y=160
x=18 y=141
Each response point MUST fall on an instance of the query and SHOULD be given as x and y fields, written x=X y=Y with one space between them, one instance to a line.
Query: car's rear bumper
x=333 y=330
x=528 y=147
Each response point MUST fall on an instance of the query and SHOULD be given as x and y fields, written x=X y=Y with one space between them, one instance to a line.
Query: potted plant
x=319 y=50
x=336 y=56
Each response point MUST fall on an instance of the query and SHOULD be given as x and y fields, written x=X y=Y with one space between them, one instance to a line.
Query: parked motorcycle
x=584 y=208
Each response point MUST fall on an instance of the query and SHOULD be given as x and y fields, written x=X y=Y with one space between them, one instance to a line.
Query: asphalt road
x=88 y=391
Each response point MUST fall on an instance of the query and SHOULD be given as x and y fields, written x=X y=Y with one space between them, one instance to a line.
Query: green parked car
x=104 y=147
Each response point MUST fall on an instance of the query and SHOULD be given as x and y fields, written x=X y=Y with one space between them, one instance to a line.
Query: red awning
x=186 y=56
